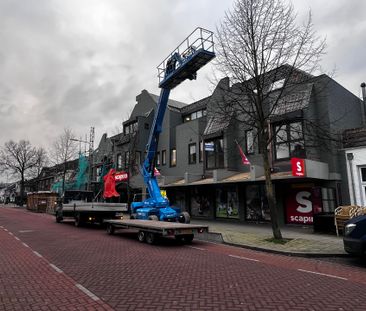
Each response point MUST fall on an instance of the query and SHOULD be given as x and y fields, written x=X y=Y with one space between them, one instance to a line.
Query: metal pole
x=350 y=158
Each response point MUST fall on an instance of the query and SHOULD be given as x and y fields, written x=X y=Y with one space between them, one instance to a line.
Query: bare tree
x=63 y=150
x=19 y=159
x=259 y=45
x=42 y=160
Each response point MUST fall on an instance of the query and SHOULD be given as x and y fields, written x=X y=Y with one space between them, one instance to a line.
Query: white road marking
x=11 y=233
x=6 y=230
x=198 y=248
x=15 y=237
x=25 y=231
x=57 y=269
x=244 y=258
x=87 y=292
x=25 y=244
x=323 y=274
x=37 y=254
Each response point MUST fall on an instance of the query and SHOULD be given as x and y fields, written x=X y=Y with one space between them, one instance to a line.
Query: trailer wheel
x=133 y=216
x=110 y=229
x=153 y=217
x=150 y=238
x=184 y=218
x=58 y=218
x=141 y=236
x=78 y=220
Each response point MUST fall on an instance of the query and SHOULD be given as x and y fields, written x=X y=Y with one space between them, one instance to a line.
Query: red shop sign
x=121 y=176
x=298 y=167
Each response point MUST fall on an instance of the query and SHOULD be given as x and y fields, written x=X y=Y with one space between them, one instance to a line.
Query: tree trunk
x=270 y=194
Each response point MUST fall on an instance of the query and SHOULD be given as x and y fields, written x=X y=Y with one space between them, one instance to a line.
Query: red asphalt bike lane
x=29 y=282
x=201 y=276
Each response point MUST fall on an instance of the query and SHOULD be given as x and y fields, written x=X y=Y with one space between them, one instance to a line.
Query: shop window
x=227 y=205
x=328 y=200
x=256 y=203
x=173 y=157
x=192 y=154
x=200 y=203
x=214 y=153
x=289 y=141
x=163 y=157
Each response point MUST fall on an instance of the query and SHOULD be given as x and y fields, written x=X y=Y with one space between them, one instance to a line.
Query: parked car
x=354 y=239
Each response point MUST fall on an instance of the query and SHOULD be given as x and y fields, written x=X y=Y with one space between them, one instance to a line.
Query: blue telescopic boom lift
x=183 y=63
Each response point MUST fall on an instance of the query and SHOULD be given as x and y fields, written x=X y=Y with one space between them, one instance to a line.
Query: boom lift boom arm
x=192 y=54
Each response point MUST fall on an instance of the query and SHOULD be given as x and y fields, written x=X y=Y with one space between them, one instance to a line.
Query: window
x=163 y=157
x=192 y=153
x=249 y=141
x=119 y=161
x=201 y=151
x=138 y=158
x=277 y=85
x=289 y=141
x=130 y=128
x=214 y=153
x=227 y=203
x=328 y=200
x=127 y=159
x=157 y=158
x=173 y=157
x=195 y=115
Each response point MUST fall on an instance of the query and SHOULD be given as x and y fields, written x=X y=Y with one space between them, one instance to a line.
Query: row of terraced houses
x=201 y=168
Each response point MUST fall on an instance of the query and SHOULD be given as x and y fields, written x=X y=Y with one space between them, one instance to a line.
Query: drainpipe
x=350 y=158
x=363 y=88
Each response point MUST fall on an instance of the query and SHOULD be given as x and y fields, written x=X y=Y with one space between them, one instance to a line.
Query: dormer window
x=277 y=85
x=195 y=115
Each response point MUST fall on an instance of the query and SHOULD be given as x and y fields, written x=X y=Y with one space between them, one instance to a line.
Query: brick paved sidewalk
x=303 y=242
x=29 y=282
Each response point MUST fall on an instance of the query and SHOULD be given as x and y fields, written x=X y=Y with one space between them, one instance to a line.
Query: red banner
x=110 y=184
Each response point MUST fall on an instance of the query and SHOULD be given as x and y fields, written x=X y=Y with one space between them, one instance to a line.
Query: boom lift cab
x=183 y=63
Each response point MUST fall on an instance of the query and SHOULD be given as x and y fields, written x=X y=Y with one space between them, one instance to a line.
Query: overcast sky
x=81 y=63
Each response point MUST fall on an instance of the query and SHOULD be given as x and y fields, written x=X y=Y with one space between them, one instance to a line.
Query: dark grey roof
x=294 y=101
x=198 y=105
x=171 y=102
x=354 y=137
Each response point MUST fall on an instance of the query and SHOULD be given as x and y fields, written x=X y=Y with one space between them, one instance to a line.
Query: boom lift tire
x=184 y=218
x=153 y=217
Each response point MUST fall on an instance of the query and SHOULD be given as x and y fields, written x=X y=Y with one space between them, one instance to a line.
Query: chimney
x=363 y=88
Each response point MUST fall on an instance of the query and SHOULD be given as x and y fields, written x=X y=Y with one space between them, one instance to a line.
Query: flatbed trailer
x=149 y=230
x=90 y=212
